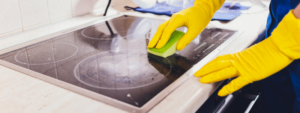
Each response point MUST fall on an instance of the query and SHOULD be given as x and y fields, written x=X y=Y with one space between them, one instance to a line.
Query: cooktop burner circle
x=94 y=32
x=117 y=70
x=94 y=37
x=50 y=53
x=130 y=28
x=106 y=37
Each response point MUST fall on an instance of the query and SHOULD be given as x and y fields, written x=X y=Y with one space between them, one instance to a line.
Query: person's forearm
x=260 y=60
x=296 y=12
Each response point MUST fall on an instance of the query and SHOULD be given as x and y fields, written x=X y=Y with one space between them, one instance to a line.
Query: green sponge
x=170 y=47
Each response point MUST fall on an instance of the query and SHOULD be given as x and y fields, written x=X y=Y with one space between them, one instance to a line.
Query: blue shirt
x=278 y=9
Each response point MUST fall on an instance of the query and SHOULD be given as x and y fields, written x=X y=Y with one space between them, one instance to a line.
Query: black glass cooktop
x=111 y=58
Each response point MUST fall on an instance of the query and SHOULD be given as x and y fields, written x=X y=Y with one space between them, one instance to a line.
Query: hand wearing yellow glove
x=194 y=18
x=257 y=62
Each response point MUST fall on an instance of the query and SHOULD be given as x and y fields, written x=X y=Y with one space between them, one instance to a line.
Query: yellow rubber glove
x=194 y=18
x=257 y=62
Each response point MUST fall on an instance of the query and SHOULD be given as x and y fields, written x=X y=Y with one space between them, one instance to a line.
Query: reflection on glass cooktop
x=111 y=58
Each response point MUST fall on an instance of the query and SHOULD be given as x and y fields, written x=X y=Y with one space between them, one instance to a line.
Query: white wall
x=21 y=15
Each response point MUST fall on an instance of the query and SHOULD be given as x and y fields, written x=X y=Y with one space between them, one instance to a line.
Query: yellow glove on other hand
x=194 y=18
x=257 y=62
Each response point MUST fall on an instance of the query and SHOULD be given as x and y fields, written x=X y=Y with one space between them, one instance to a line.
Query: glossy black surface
x=111 y=58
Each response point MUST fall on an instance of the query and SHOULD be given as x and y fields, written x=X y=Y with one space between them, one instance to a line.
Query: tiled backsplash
x=10 y=18
x=21 y=15
x=59 y=9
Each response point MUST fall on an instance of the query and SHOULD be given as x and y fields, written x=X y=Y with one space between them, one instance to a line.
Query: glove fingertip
x=153 y=42
x=159 y=45
x=206 y=80
x=180 y=45
x=199 y=73
x=150 y=46
x=223 y=92
x=203 y=71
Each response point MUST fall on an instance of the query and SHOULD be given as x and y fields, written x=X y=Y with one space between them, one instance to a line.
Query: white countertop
x=22 y=93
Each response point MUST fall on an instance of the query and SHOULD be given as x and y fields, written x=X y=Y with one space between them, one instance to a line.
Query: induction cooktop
x=109 y=62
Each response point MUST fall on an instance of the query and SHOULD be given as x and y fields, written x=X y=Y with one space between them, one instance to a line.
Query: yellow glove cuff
x=286 y=36
x=211 y=5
